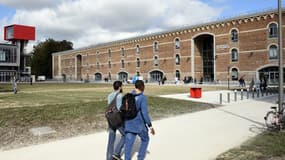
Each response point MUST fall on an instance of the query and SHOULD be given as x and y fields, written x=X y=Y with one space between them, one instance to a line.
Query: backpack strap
x=115 y=98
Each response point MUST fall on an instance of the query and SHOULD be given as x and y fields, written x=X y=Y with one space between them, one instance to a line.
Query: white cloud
x=87 y=22
x=30 y=4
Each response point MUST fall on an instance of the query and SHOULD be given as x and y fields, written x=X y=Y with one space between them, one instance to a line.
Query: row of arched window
x=272 y=53
x=272 y=32
x=155 y=48
x=155 y=75
x=138 y=62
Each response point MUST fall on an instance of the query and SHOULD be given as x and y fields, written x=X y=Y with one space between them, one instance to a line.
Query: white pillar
x=214 y=52
x=59 y=66
x=75 y=68
x=192 y=59
x=53 y=66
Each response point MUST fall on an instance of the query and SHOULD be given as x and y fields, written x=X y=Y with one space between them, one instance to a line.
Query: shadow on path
x=242 y=117
x=136 y=145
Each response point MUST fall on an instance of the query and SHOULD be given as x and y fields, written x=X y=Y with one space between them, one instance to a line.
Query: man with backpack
x=139 y=125
x=115 y=97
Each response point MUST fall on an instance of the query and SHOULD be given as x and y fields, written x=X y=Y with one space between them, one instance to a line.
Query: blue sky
x=87 y=22
x=6 y=11
x=236 y=7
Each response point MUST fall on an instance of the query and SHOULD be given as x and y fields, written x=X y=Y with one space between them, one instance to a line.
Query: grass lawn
x=266 y=146
x=73 y=109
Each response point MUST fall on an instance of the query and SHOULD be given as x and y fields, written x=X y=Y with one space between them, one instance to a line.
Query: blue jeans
x=111 y=143
x=130 y=139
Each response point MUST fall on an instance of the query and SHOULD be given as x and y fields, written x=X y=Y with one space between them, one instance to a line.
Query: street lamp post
x=87 y=76
x=280 y=99
x=229 y=77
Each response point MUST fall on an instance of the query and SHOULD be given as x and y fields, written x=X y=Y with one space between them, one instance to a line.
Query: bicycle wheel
x=270 y=120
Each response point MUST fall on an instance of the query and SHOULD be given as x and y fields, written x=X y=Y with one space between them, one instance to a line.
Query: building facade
x=245 y=46
x=9 y=62
x=13 y=55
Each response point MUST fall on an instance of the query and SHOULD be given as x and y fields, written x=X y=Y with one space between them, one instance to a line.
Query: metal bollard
x=235 y=95
x=257 y=93
x=241 y=94
x=221 y=98
x=247 y=94
x=252 y=92
x=229 y=97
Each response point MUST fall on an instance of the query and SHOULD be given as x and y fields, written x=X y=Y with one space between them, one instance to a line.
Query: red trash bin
x=196 y=92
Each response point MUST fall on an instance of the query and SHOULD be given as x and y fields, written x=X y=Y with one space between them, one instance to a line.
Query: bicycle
x=274 y=119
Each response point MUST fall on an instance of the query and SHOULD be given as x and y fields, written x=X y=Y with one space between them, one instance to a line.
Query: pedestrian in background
x=14 y=83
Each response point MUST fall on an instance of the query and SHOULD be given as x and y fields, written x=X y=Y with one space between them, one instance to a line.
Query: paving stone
x=42 y=131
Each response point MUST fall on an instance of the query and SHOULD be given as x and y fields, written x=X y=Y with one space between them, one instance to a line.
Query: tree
x=41 y=61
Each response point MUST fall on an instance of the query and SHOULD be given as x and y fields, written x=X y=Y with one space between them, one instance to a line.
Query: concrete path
x=195 y=136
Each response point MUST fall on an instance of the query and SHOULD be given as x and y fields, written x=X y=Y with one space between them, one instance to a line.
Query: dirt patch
x=23 y=137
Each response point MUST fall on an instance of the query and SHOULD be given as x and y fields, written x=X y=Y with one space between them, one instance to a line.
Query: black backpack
x=113 y=115
x=129 y=108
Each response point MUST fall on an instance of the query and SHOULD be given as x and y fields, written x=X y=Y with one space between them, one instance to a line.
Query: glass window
x=109 y=64
x=98 y=76
x=97 y=53
x=234 y=35
x=177 y=74
x=10 y=32
x=234 y=74
x=8 y=55
x=273 y=54
x=138 y=62
x=177 y=43
x=156 y=61
x=155 y=76
x=138 y=49
x=109 y=52
x=273 y=30
x=234 y=55
x=2 y=56
x=109 y=76
x=122 y=51
x=98 y=65
x=155 y=46
x=177 y=59
x=123 y=63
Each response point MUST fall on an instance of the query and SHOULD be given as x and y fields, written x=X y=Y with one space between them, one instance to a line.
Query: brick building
x=244 y=46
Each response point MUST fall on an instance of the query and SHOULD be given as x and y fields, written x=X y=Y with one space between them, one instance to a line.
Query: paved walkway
x=195 y=136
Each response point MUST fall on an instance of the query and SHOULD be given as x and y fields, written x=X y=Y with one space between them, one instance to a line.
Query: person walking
x=139 y=125
x=14 y=81
x=111 y=153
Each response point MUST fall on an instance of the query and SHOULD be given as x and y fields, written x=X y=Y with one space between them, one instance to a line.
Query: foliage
x=41 y=61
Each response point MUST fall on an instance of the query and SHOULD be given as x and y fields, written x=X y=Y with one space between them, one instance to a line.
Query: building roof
x=177 y=29
x=7 y=44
